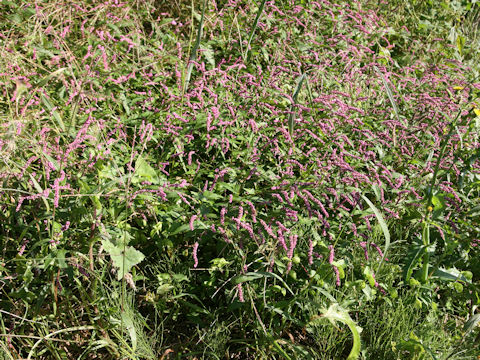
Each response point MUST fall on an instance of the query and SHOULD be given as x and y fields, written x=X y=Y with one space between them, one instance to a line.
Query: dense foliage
x=217 y=179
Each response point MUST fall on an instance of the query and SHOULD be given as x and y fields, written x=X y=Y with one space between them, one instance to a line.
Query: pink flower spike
x=240 y=293
x=195 y=258
x=332 y=254
x=192 y=220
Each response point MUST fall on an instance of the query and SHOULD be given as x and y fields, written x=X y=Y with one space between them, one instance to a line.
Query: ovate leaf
x=123 y=258
x=144 y=172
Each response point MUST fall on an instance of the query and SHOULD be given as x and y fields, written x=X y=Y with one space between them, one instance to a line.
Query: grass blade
x=471 y=323
x=252 y=32
x=257 y=275
x=389 y=93
x=383 y=226
x=193 y=54
x=392 y=101
x=49 y=106
x=291 y=118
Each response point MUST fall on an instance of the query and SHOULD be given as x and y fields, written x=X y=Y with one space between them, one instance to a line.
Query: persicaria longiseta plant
x=234 y=178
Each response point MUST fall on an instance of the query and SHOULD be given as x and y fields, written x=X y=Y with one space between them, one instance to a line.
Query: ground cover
x=227 y=179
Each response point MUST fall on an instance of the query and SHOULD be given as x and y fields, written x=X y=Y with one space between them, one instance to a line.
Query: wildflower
x=240 y=293
x=268 y=229
x=223 y=211
x=192 y=220
x=22 y=249
x=195 y=258
x=330 y=261
x=363 y=244
x=310 y=252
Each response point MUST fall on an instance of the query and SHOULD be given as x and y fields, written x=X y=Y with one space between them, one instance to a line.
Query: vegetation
x=213 y=179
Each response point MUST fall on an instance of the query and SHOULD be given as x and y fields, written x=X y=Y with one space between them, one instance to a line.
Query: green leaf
x=244 y=278
x=369 y=276
x=413 y=257
x=130 y=327
x=460 y=43
x=125 y=103
x=209 y=55
x=39 y=190
x=257 y=275
x=52 y=161
x=449 y=275
x=254 y=27
x=438 y=203
x=144 y=172
x=193 y=54
x=389 y=94
x=211 y=195
x=471 y=323
x=124 y=258
x=46 y=102
x=383 y=225
x=291 y=118
x=336 y=313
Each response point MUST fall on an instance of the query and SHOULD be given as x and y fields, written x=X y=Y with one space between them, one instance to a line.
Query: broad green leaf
x=144 y=172
x=460 y=43
x=369 y=276
x=211 y=195
x=244 y=278
x=438 y=202
x=124 y=258
x=449 y=275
